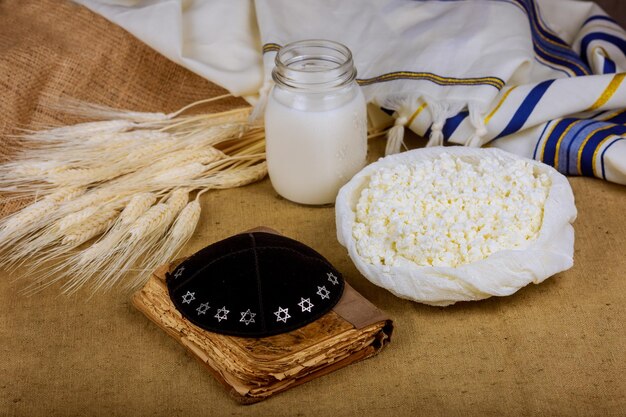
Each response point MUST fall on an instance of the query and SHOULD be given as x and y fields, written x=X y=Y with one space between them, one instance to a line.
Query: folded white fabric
x=217 y=40
x=540 y=78
x=501 y=273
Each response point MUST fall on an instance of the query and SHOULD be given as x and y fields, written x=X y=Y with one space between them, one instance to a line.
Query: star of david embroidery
x=179 y=272
x=305 y=304
x=323 y=292
x=332 y=278
x=282 y=314
x=203 y=308
x=189 y=297
x=222 y=314
x=247 y=317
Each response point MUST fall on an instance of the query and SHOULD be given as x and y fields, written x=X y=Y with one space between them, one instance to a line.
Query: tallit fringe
x=395 y=136
x=480 y=130
x=440 y=112
x=403 y=106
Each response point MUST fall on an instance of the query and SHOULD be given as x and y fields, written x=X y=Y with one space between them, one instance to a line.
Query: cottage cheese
x=449 y=211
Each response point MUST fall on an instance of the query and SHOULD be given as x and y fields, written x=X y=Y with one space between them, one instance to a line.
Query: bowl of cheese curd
x=446 y=224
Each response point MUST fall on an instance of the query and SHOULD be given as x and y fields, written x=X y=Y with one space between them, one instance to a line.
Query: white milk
x=314 y=144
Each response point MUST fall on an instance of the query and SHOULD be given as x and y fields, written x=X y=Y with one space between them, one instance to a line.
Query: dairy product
x=314 y=144
x=446 y=224
x=448 y=211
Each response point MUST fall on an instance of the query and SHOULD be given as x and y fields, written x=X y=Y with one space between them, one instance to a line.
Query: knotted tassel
x=436 y=133
x=395 y=136
x=259 y=107
x=480 y=130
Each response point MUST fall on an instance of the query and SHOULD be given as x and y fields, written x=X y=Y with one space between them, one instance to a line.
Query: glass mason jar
x=315 y=122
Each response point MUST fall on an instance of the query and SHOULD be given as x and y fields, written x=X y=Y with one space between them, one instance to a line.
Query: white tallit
x=539 y=78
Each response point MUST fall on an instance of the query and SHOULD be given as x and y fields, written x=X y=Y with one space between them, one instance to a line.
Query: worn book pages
x=253 y=369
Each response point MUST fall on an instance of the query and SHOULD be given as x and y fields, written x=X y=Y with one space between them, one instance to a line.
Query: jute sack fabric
x=550 y=349
x=50 y=54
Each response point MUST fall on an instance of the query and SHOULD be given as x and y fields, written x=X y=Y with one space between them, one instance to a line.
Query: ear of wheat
x=26 y=222
x=78 y=268
x=170 y=245
x=113 y=195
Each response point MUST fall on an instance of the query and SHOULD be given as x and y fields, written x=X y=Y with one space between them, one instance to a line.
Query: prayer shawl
x=539 y=78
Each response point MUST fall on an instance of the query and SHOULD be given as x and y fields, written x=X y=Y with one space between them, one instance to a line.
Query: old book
x=253 y=369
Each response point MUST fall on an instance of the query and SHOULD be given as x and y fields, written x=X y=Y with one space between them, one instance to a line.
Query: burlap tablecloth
x=558 y=348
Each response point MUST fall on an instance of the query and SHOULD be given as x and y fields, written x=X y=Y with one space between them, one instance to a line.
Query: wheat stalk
x=28 y=214
x=66 y=194
x=177 y=236
x=28 y=169
x=79 y=131
x=156 y=217
x=88 y=229
x=94 y=197
x=137 y=205
x=91 y=227
x=140 y=237
x=96 y=111
x=187 y=156
x=82 y=266
x=43 y=232
x=177 y=200
x=102 y=179
x=178 y=175
x=75 y=218
x=31 y=218
x=85 y=165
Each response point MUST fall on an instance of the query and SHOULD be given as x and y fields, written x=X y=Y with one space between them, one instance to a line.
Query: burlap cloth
x=558 y=348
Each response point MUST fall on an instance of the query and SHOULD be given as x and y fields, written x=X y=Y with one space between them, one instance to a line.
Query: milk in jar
x=315 y=122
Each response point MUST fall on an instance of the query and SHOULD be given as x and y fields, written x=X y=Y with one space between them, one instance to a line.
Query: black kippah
x=254 y=285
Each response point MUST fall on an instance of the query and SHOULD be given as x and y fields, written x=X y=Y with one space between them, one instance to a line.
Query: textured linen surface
x=551 y=349
x=540 y=78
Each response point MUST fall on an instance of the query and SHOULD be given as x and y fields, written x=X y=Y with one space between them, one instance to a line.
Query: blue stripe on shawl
x=574 y=142
x=602 y=155
x=539 y=140
x=450 y=125
x=599 y=17
x=529 y=6
x=552 y=141
x=526 y=108
x=564 y=156
x=556 y=52
x=549 y=149
x=553 y=67
x=586 y=158
x=618 y=119
x=609 y=66
x=590 y=37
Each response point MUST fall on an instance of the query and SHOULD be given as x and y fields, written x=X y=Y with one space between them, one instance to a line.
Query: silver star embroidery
x=323 y=292
x=222 y=314
x=280 y=316
x=203 y=308
x=247 y=317
x=179 y=272
x=305 y=304
x=332 y=278
x=189 y=297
